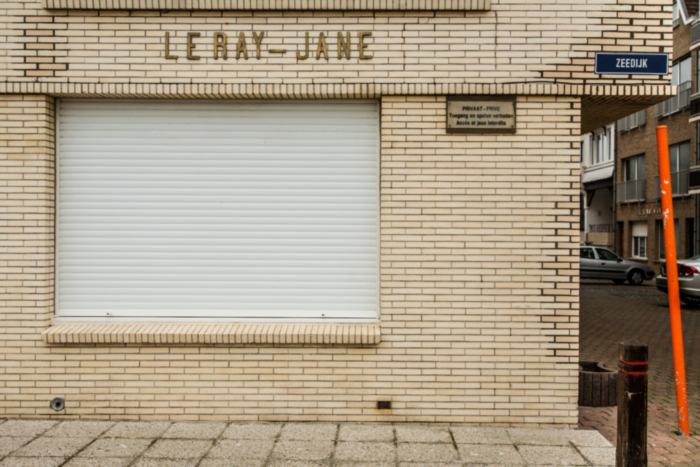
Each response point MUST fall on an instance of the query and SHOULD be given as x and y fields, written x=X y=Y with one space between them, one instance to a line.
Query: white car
x=688 y=280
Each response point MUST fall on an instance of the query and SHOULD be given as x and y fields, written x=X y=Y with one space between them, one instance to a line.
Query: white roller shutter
x=222 y=209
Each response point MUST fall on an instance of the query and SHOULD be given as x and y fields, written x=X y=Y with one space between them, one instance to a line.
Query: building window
x=639 y=247
x=634 y=168
x=679 y=156
x=662 y=242
x=639 y=240
x=697 y=71
x=676 y=15
x=599 y=144
x=260 y=221
x=681 y=72
x=601 y=149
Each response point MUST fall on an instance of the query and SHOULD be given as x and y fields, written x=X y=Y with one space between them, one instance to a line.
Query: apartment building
x=639 y=230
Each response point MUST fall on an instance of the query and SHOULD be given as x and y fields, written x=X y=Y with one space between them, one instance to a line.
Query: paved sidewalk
x=46 y=443
x=612 y=313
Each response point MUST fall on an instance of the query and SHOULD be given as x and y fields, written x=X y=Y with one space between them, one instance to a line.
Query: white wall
x=600 y=211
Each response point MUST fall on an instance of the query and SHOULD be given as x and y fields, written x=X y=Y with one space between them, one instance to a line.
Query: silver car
x=600 y=263
x=688 y=280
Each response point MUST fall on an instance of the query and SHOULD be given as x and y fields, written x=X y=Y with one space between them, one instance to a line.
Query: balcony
x=600 y=228
x=630 y=122
x=631 y=191
x=679 y=184
x=677 y=103
x=600 y=235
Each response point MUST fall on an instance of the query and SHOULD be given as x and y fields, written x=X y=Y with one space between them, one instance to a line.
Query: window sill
x=213 y=334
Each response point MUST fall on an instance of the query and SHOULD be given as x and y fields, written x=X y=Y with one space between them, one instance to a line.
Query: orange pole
x=672 y=279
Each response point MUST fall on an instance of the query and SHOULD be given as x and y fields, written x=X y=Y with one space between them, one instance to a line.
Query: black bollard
x=632 y=404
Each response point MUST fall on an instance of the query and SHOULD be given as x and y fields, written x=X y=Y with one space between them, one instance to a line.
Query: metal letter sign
x=631 y=64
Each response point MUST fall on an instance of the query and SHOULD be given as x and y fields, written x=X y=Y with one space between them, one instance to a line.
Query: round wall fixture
x=58 y=404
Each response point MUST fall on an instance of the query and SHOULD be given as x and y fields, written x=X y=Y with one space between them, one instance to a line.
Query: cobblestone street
x=611 y=314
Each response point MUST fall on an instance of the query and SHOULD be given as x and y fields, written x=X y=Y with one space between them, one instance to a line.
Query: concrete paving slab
x=422 y=434
x=9 y=444
x=551 y=455
x=26 y=427
x=429 y=464
x=480 y=435
x=194 y=430
x=178 y=449
x=98 y=462
x=293 y=463
x=32 y=461
x=252 y=431
x=242 y=449
x=365 y=452
x=303 y=450
x=232 y=463
x=590 y=438
x=165 y=463
x=368 y=433
x=368 y=464
x=424 y=452
x=490 y=454
x=309 y=432
x=539 y=436
x=78 y=429
x=146 y=430
x=53 y=447
x=116 y=447
x=490 y=465
x=600 y=456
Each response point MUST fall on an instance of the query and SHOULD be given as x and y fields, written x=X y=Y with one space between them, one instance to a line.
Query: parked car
x=600 y=263
x=688 y=280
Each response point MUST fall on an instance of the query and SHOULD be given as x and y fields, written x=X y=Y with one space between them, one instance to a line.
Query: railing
x=679 y=184
x=632 y=190
x=633 y=121
x=675 y=104
x=604 y=228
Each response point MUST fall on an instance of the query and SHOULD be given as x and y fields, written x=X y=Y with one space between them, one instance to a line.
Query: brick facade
x=479 y=232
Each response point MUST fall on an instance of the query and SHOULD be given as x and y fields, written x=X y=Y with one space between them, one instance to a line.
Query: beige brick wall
x=516 y=40
x=479 y=299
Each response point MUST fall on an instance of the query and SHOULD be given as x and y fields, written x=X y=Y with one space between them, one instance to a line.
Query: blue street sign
x=631 y=64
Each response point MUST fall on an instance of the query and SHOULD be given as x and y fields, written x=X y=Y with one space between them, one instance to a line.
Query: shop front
x=348 y=211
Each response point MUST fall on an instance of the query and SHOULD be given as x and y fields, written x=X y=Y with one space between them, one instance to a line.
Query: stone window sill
x=213 y=334
x=170 y=5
